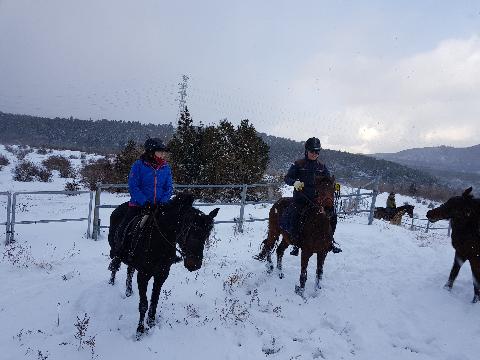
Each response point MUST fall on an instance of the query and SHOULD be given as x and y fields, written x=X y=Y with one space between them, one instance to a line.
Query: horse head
x=325 y=191
x=195 y=229
x=463 y=207
x=409 y=210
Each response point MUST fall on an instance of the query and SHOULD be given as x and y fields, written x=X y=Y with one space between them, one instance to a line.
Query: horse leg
x=475 y=266
x=303 y=272
x=112 y=278
x=157 y=286
x=320 y=261
x=130 y=272
x=280 y=251
x=142 y=282
x=457 y=264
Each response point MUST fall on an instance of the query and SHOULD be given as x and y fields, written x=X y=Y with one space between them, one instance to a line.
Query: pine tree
x=185 y=148
x=251 y=155
x=124 y=160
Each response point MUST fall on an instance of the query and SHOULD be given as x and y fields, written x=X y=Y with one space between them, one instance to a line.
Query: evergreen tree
x=251 y=153
x=185 y=148
x=124 y=160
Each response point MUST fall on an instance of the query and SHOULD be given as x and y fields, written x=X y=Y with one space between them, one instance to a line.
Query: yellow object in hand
x=298 y=185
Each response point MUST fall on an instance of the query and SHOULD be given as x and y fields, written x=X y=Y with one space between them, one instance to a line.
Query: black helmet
x=313 y=144
x=154 y=144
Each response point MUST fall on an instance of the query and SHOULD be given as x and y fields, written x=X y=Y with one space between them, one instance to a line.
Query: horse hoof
x=140 y=331
x=299 y=290
x=448 y=287
x=269 y=268
x=128 y=292
x=151 y=322
x=281 y=275
x=111 y=281
x=476 y=299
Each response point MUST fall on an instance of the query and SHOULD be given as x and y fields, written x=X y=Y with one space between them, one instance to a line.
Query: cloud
x=380 y=104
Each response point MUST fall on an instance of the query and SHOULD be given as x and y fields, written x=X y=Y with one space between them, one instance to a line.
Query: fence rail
x=355 y=200
x=12 y=222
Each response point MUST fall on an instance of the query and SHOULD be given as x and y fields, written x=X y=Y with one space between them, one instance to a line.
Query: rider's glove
x=298 y=185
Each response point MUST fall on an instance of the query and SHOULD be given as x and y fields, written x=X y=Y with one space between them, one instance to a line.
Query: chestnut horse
x=464 y=215
x=316 y=233
x=395 y=216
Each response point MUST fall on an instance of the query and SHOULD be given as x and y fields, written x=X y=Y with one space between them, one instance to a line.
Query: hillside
x=104 y=136
x=459 y=167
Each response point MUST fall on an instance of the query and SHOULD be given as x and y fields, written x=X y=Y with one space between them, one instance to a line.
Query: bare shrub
x=27 y=171
x=3 y=161
x=61 y=164
x=10 y=149
x=21 y=153
x=42 y=151
x=72 y=186
x=100 y=170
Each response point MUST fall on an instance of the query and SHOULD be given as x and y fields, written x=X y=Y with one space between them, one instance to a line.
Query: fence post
x=428 y=226
x=357 y=200
x=242 y=208
x=411 y=226
x=7 y=226
x=372 y=205
x=96 y=215
x=12 y=219
x=89 y=215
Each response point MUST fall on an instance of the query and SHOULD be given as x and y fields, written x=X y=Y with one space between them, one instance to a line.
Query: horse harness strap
x=167 y=241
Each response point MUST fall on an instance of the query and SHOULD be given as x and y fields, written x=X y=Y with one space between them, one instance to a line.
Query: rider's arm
x=291 y=175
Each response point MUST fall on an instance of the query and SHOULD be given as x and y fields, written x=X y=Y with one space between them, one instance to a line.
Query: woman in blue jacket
x=150 y=183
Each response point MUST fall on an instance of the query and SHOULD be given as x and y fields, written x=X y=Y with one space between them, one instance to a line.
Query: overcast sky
x=363 y=76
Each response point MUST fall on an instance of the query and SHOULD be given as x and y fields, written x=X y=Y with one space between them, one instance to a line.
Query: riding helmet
x=154 y=144
x=313 y=144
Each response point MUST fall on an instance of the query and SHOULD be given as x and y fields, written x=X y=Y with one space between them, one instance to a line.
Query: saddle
x=128 y=237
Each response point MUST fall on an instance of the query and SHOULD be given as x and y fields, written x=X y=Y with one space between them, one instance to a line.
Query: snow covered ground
x=382 y=297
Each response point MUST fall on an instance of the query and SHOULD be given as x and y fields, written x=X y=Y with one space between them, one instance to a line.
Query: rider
x=301 y=176
x=391 y=206
x=149 y=183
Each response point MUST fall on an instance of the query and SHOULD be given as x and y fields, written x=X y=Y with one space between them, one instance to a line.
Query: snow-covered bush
x=61 y=164
x=27 y=171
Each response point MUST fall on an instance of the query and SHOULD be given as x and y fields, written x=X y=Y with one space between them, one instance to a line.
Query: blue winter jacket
x=149 y=183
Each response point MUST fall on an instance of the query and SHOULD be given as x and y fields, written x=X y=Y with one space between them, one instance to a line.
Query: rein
x=174 y=245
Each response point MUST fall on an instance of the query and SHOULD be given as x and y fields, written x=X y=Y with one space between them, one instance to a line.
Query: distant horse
x=395 y=217
x=464 y=215
x=315 y=232
x=151 y=251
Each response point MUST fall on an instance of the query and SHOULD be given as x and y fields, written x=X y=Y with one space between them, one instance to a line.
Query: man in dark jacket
x=301 y=176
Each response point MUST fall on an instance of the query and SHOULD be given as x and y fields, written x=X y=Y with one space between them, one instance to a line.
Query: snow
x=381 y=298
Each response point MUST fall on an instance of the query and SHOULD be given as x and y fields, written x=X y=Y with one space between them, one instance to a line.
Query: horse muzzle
x=192 y=264
x=434 y=215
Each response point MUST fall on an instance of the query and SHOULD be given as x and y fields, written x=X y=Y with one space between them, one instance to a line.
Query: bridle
x=180 y=238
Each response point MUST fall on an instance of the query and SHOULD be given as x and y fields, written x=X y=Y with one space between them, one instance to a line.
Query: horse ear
x=467 y=192
x=184 y=198
x=213 y=213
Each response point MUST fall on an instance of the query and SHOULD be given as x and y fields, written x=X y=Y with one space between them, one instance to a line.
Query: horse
x=395 y=217
x=154 y=246
x=464 y=215
x=316 y=233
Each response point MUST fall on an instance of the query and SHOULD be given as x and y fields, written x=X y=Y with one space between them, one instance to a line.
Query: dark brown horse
x=176 y=223
x=315 y=233
x=464 y=215
x=395 y=216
